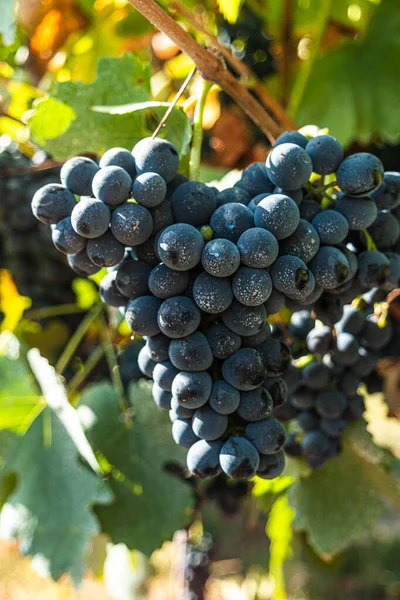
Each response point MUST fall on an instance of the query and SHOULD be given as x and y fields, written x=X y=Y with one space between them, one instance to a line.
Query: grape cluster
x=197 y=272
x=197 y=566
x=329 y=368
x=26 y=249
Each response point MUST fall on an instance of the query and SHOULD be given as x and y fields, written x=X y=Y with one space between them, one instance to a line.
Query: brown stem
x=242 y=70
x=209 y=65
x=16 y=171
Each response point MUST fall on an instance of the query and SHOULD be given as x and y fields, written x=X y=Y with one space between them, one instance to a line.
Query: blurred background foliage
x=77 y=77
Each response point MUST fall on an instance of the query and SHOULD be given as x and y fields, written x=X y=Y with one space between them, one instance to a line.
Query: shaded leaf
x=230 y=9
x=354 y=90
x=49 y=512
x=338 y=503
x=150 y=504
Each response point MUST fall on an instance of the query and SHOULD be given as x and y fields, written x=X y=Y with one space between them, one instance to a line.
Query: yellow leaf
x=12 y=304
x=230 y=9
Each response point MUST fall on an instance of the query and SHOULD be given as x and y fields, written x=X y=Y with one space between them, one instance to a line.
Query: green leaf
x=86 y=293
x=279 y=531
x=7 y=21
x=342 y=92
x=49 y=511
x=338 y=503
x=230 y=9
x=20 y=400
x=150 y=504
x=66 y=124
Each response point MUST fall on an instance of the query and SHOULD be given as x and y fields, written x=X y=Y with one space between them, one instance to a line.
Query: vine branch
x=210 y=66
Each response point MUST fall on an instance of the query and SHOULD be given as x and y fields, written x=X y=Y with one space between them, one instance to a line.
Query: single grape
x=223 y=342
x=183 y=434
x=278 y=214
x=251 y=287
x=296 y=195
x=178 y=317
x=235 y=194
x=220 y=257
x=331 y=226
x=191 y=353
x=212 y=294
x=366 y=362
x=156 y=156
x=346 y=348
x=326 y=154
x=192 y=390
x=178 y=411
x=308 y=420
x=229 y=221
x=328 y=308
x=388 y=193
x=131 y=224
x=157 y=347
x=180 y=246
x=252 y=341
x=255 y=180
x=162 y=216
x=276 y=355
x=146 y=363
x=258 y=248
x=360 y=213
x=309 y=209
x=289 y=166
x=292 y=446
x=374 y=337
x=333 y=427
x=255 y=405
x=224 y=398
x=239 y=458
x=132 y=277
x=373 y=268
x=352 y=320
x=119 y=157
x=316 y=375
x=161 y=397
x=278 y=390
x=329 y=267
x=349 y=382
x=334 y=368
x=292 y=137
x=164 y=374
x=65 y=238
x=208 y=424
x=112 y=185
x=165 y=282
x=385 y=231
x=360 y=174
x=303 y=243
x=245 y=369
x=141 y=315
x=271 y=465
x=300 y=324
x=52 y=202
x=244 y=320
x=193 y=203
x=105 y=250
x=330 y=403
x=303 y=398
x=173 y=185
x=268 y=436
x=203 y=459
x=315 y=446
x=77 y=175
x=81 y=264
x=256 y=201
x=289 y=274
x=320 y=340
x=275 y=302
x=109 y=293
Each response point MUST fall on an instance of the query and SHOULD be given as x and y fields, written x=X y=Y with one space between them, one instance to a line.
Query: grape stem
x=53 y=311
x=247 y=76
x=197 y=140
x=302 y=78
x=174 y=102
x=210 y=66
x=77 y=337
x=90 y=364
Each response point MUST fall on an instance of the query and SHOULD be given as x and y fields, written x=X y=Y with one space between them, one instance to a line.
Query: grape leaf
x=342 y=93
x=7 y=21
x=150 y=504
x=92 y=117
x=279 y=531
x=230 y=9
x=20 y=400
x=338 y=503
x=49 y=511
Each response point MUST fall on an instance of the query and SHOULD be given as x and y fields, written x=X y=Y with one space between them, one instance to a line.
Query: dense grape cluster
x=26 y=249
x=197 y=272
x=330 y=366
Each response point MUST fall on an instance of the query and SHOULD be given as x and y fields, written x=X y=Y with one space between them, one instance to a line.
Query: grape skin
x=156 y=156
x=278 y=214
x=239 y=458
x=131 y=224
x=77 y=175
x=289 y=166
x=52 y=202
